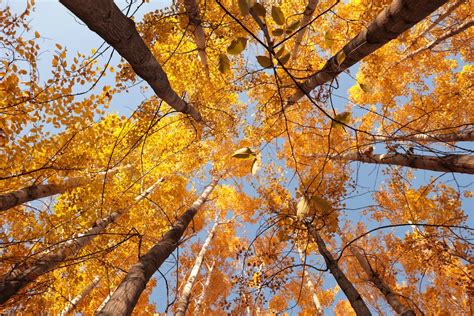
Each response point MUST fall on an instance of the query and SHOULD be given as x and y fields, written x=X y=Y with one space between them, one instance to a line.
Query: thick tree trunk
x=79 y=298
x=26 y=273
x=398 y=17
x=311 y=287
x=34 y=192
x=462 y=136
x=307 y=15
x=183 y=302
x=448 y=163
x=105 y=18
x=125 y=297
x=346 y=286
x=204 y=289
x=198 y=32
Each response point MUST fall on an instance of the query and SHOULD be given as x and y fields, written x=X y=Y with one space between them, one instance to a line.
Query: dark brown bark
x=125 y=297
x=398 y=17
x=105 y=18
x=346 y=286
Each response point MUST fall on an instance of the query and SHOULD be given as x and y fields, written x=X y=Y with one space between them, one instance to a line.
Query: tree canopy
x=280 y=157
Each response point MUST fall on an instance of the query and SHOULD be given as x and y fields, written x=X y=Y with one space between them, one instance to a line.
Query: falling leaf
x=320 y=203
x=224 y=64
x=302 y=208
x=278 y=15
x=277 y=32
x=292 y=27
x=243 y=153
x=342 y=118
x=264 y=61
x=237 y=46
x=37 y=34
x=340 y=57
x=366 y=88
x=259 y=9
x=256 y=165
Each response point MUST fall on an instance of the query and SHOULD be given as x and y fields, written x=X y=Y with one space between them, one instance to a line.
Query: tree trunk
x=310 y=286
x=448 y=163
x=346 y=286
x=204 y=289
x=462 y=136
x=26 y=273
x=390 y=296
x=450 y=33
x=183 y=302
x=125 y=297
x=79 y=298
x=398 y=17
x=34 y=192
x=198 y=32
x=307 y=15
x=105 y=18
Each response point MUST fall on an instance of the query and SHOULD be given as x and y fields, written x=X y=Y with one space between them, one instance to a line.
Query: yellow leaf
x=243 y=153
x=224 y=64
x=278 y=15
x=302 y=208
x=237 y=46
x=259 y=9
x=264 y=61
x=244 y=7
x=256 y=164
x=340 y=57
x=342 y=118
x=37 y=34
x=320 y=203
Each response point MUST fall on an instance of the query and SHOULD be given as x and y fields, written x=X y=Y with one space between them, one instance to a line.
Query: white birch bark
x=71 y=306
x=307 y=16
x=310 y=285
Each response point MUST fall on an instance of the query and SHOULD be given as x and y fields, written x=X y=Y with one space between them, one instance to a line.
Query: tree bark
x=34 y=192
x=390 y=296
x=346 y=286
x=126 y=295
x=25 y=273
x=198 y=32
x=183 y=302
x=448 y=163
x=443 y=16
x=450 y=33
x=462 y=136
x=204 y=288
x=105 y=18
x=307 y=15
x=79 y=298
x=398 y=17
x=311 y=287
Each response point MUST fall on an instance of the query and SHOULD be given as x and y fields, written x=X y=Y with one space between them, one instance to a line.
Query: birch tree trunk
x=462 y=136
x=398 y=17
x=34 y=192
x=448 y=163
x=346 y=286
x=307 y=15
x=80 y=297
x=105 y=18
x=204 y=289
x=192 y=11
x=126 y=295
x=183 y=302
x=311 y=287
x=26 y=273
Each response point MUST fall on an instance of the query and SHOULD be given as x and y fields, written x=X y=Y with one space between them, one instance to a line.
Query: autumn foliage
x=284 y=157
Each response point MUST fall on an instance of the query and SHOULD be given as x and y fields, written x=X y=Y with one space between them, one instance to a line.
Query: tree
x=340 y=133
